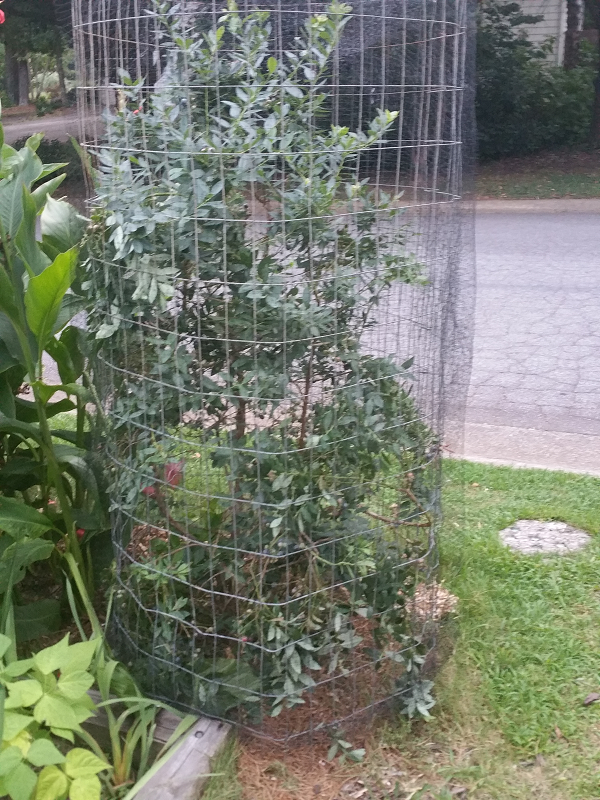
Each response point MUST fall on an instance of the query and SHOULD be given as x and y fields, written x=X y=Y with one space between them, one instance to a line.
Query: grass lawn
x=522 y=654
x=555 y=174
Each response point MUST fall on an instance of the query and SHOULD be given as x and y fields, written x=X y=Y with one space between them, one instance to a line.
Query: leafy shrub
x=53 y=151
x=260 y=560
x=524 y=104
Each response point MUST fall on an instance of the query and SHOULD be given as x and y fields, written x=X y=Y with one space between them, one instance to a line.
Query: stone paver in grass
x=532 y=536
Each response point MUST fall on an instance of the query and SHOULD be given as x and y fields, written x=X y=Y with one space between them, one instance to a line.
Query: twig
x=396 y=522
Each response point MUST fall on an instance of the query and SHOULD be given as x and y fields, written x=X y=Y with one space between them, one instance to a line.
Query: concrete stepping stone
x=533 y=536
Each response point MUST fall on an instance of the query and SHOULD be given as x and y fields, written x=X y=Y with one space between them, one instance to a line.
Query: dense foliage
x=523 y=103
x=239 y=267
x=53 y=512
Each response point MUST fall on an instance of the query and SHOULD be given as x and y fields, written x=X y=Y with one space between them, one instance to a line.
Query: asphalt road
x=53 y=126
x=535 y=389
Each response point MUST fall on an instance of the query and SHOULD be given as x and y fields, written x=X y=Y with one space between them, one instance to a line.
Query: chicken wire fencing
x=276 y=275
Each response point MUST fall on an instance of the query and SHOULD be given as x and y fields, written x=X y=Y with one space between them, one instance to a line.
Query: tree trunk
x=23 y=82
x=574 y=25
x=12 y=75
x=60 y=68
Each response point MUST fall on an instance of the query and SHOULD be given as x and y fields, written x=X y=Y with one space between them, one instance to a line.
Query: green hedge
x=524 y=103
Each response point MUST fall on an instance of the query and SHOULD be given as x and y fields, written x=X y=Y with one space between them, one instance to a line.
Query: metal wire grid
x=197 y=637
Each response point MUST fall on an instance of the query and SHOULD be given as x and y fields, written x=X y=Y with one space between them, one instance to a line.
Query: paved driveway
x=535 y=390
x=54 y=126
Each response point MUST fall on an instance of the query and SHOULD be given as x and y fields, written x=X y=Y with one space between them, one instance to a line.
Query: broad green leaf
x=52 y=784
x=20 y=783
x=22 y=694
x=15 y=723
x=37 y=619
x=83 y=764
x=43 y=753
x=7 y=360
x=27 y=409
x=55 y=712
x=10 y=760
x=5 y=643
x=63 y=733
x=85 y=789
x=8 y=336
x=7 y=296
x=34 y=258
x=23 y=429
x=45 y=294
x=19 y=556
x=41 y=194
x=79 y=656
x=7 y=398
x=17 y=668
x=75 y=684
x=71 y=306
x=34 y=141
x=20 y=520
x=26 y=168
x=52 y=658
x=62 y=227
x=11 y=208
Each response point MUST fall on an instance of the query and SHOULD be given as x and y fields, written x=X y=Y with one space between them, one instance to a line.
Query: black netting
x=285 y=316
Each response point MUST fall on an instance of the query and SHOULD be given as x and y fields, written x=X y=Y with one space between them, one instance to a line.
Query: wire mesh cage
x=277 y=209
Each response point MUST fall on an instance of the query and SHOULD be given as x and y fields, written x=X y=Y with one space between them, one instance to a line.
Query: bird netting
x=275 y=268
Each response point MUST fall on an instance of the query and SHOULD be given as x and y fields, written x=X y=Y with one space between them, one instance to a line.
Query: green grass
x=510 y=723
x=538 y=185
x=527 y=651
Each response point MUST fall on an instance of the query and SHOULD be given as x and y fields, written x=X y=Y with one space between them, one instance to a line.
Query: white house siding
x=554 y=24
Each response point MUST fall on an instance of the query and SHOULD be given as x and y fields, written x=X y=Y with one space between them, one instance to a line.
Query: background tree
x=33 y=26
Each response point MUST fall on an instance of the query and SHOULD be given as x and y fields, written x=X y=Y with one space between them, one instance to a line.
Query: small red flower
x=80 y=533
x=2 y=17
x=137 y=111
x=149 y=491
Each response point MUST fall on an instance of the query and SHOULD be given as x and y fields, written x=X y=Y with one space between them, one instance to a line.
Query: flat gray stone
x=532 y=536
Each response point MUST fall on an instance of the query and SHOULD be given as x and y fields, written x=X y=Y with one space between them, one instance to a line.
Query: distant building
x=553 y=26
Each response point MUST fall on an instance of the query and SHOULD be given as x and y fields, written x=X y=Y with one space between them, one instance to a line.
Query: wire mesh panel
x=277 y=236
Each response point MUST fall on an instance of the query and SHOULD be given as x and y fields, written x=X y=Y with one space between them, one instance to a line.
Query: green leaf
x=7 y=398
x=85 y=789
x=10 y=760
x=21 y=782
x=52 y=658
x=79 y=656
x=53 y=784
x=62 y=227
x=19 y=556
x=19 y=428
x=55 y=712
x=37 y=619
x=43 y=753
x=5 y=643
x=20 y=520
x=27 y=409
x=272 y=65
x=75 y=684
x=14 y=724
x=35 y=259
x=7 y=360
x=7 y=296
x=84 y=764
x=17 y=668
x=22 y=694
x=45 y=294
x=34 y=141
x=41 y=194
